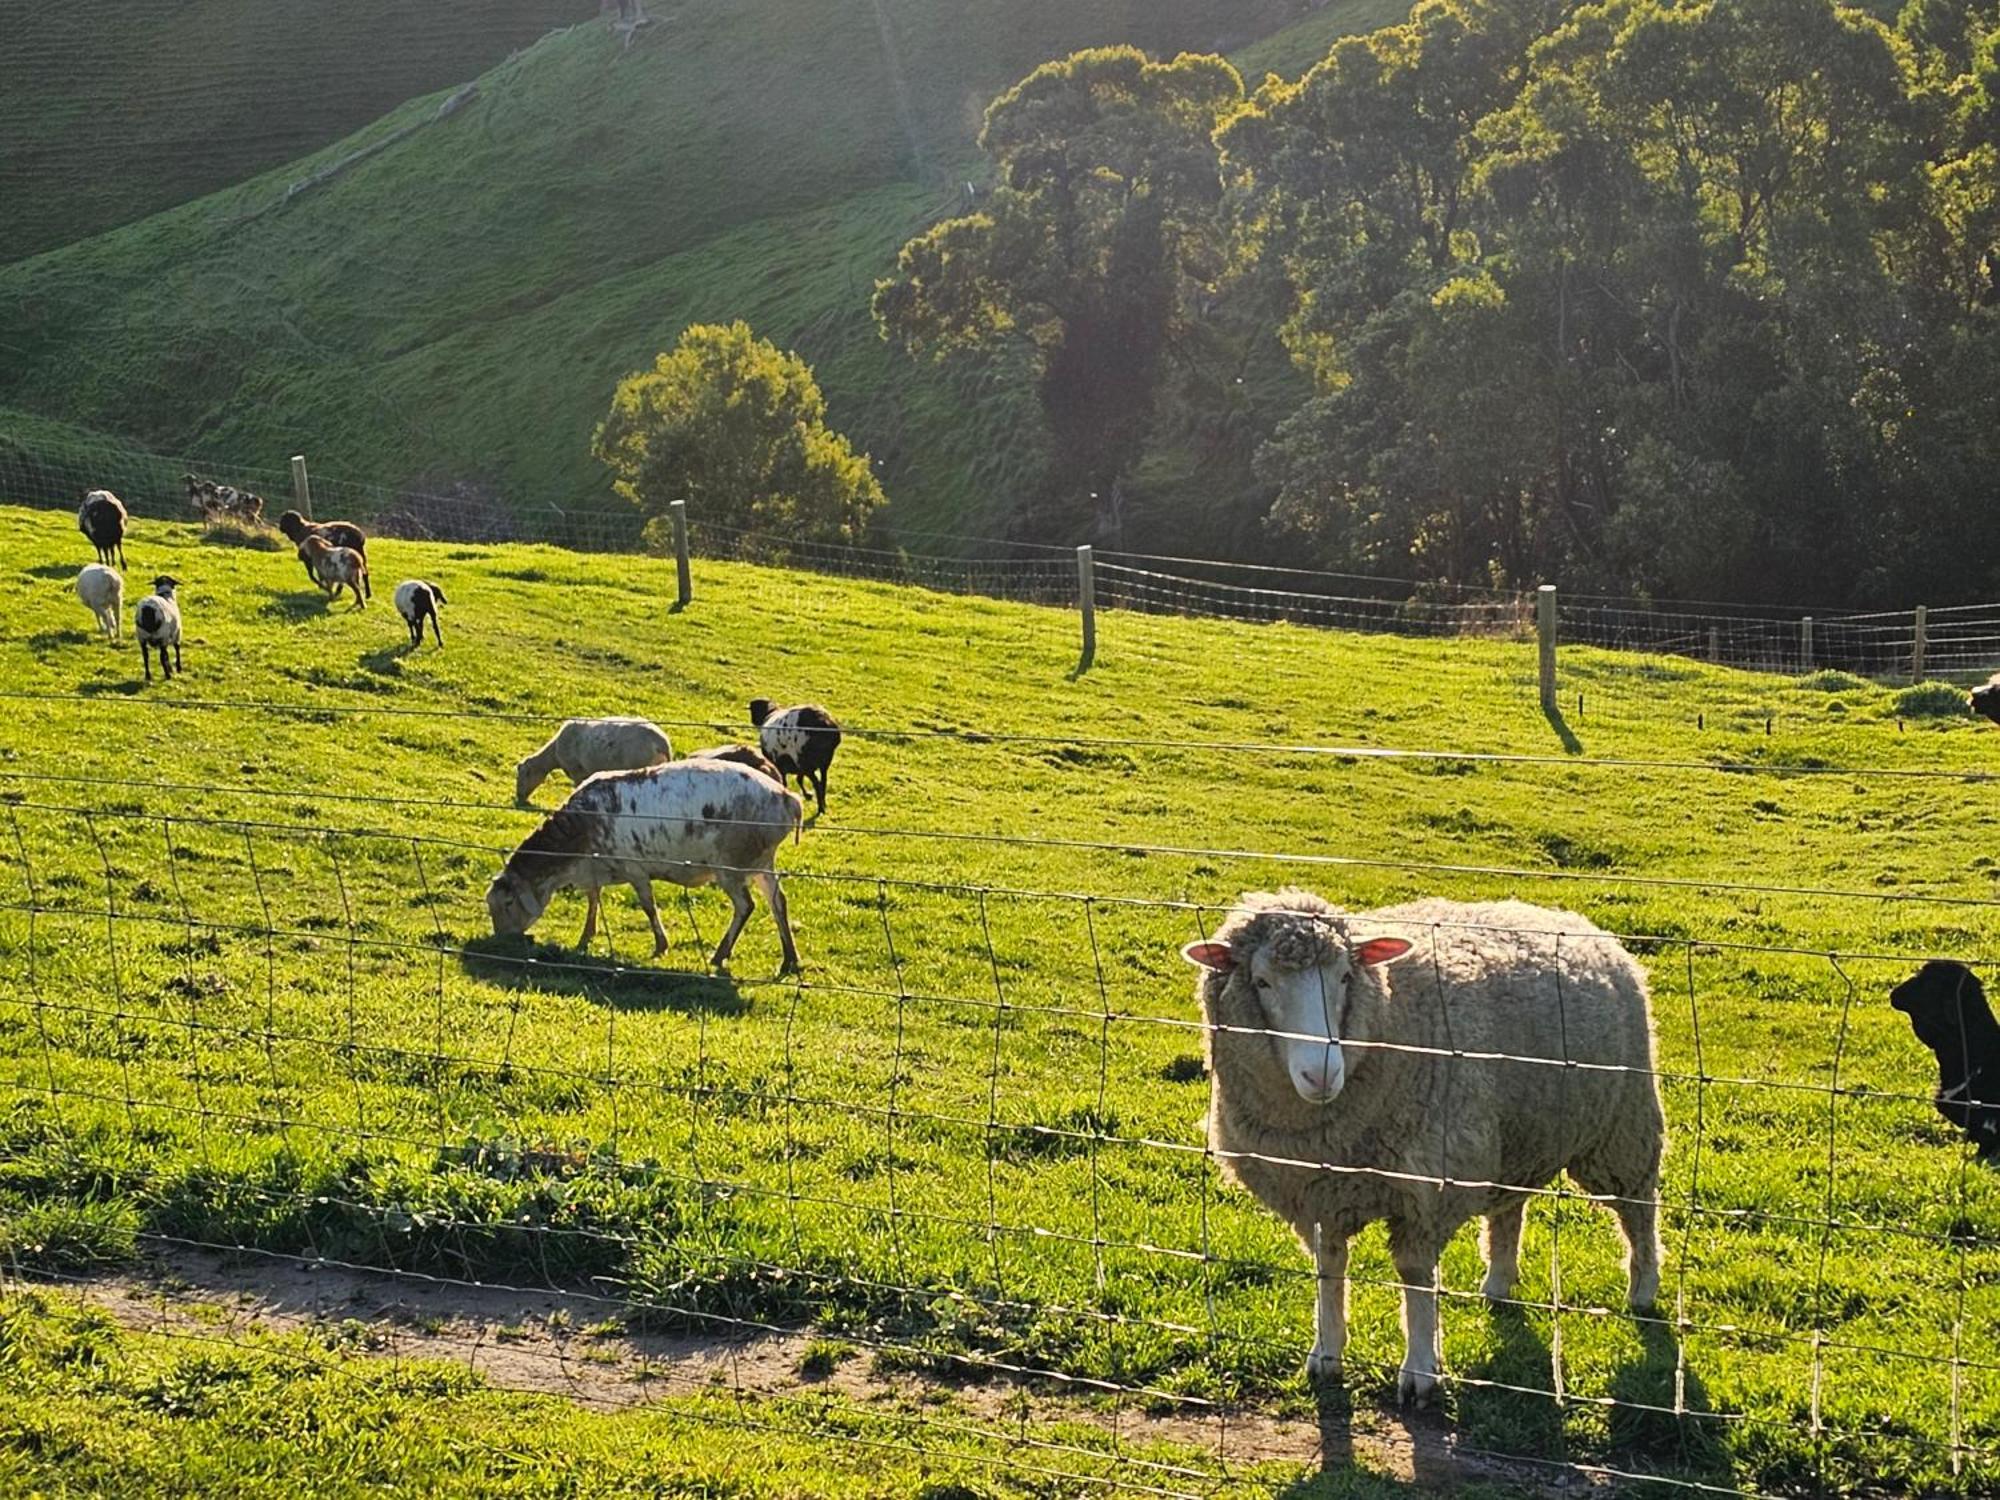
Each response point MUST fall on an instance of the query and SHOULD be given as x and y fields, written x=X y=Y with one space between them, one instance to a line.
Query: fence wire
x=968 y=1146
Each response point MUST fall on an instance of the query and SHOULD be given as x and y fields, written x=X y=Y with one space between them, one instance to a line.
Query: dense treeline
x=1687 y=299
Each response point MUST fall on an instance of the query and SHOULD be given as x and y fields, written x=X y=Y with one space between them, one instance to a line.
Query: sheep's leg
x=1638 y=1216
x=819 y=789
x=436 y=629
x=146 y=659
x=1503 y=1250
x=643 y=889
x=1416 y=1259
x=589 y=920
x=1330 y=1307
x=775 y=895
x=177 y=656
x=739 y=897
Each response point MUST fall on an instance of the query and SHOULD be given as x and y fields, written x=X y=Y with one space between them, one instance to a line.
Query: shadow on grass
x=295 y=606
x=101 y=688
x=1570 y=743
x=1681 y=1437
x=386 y=662
x=257 y=540
x=44 y=641
x=516 y=963
x=54 y=570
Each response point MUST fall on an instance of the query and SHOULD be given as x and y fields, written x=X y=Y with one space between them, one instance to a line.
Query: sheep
x=157 y=623
x=297 y=528
x=1986 y=699
x=335 y=568
x=692 y=822
x=798 y=741
x=212 y=501
x=584 y=747
x=417 y=601
x=1301 y=1005
x=103 y=594
x=742 y=755
x=101 y=518
x=1947 y=1008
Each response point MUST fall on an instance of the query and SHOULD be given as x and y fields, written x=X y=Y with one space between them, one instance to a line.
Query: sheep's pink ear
x=1217 y=956
x=1381 y=950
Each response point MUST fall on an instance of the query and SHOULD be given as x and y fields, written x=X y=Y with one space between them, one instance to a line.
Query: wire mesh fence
x=971 y=1143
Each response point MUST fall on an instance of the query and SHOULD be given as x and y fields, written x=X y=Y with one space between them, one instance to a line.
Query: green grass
x=295 y=1033
x=460 y=306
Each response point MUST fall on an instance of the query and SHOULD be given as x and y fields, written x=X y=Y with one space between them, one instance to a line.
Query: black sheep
x=798 y=741
x=101 y=518
x=1947 y=1009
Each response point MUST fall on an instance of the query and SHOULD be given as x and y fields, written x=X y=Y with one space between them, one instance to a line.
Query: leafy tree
x=737 y=428
x=1099 y=235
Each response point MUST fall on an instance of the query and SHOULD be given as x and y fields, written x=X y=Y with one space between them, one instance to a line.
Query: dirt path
x=574 y=1346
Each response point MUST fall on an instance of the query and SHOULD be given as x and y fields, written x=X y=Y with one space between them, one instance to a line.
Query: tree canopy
x=737 y=428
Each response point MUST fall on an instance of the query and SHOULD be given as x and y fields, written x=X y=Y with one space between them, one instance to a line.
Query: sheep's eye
x=1263 y=984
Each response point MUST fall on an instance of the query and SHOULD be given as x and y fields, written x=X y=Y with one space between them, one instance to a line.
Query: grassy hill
x=294 y=1032
x=460 y=304
x=108 y=116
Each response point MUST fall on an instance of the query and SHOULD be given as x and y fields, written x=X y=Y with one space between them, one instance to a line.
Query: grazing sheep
x=1947 y=1008
x=692 y=822
x=417 y=601
x=212 y=501
x=103 y=594
x=584 y=747
x=157 y=623
x=1302 y=1007
x=798 y=741
x=335 y=568
x=742 y=755
x=1986 y=699
x=101 y=518
x=297 y=528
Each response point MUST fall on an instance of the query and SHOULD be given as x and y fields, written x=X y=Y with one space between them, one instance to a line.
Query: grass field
x=460 y=306
x=971 y=1137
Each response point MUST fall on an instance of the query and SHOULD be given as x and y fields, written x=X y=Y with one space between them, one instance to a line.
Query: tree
x=1090 y=251
x=737 y=428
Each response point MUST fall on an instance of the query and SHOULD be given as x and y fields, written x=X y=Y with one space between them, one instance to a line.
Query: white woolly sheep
x=336 y=568
x=101 y=518
x=157 y=624
x=584 y=747
x=103 y=594
x=798 y=741
x=694 y=822
x=1442 y=1113
x=417 y=601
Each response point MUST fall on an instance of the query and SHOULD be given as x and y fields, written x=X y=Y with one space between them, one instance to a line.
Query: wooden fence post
x=1545 y=632
x=1086 y=599
x=302 y=494
x=1805 y=645
x=1917 y=642
x=679 y=511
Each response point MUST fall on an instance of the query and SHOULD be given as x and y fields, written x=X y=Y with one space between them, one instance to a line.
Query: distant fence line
x=1956 y=641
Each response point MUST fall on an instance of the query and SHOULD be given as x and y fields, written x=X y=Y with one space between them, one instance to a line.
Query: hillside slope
x=460 y=304
x=107 y=116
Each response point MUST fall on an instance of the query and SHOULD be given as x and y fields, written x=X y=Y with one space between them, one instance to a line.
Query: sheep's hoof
x=787 y=970
x=1415 y=1387
x=1496 y=1291
x=1323 y=1366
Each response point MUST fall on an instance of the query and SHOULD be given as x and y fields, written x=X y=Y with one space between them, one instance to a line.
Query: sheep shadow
x=109 y=688
x=526 y=966
x=54 y=570
x=43 y=642
x=1682 y=1436
x=1505 y=1401
x=294 y=606
x=386 y=661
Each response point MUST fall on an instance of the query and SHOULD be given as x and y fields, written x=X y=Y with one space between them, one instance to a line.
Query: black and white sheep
x=213 y=502
x=157 y=624
x=103 y=594
x=417 y=601
x=101 y=518
x=1476 y=1051
x=336 y=568
x=798 y=741
x=297 y=528
x=1947 y=1008
x=694 y=822
x=584 y=747
x=1986 y=699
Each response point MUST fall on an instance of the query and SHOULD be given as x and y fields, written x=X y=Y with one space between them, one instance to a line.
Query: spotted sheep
x=157 y=624
x=336 y=568
x=584 y=747
x=691 y=822
x=212 y=501
x=101 y=518
x=296 y=528
x=798 y=741
x=417 y=601
x=103 y=594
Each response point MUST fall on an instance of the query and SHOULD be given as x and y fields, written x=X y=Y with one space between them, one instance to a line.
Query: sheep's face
x=1938 y=999
x=513 y=905
x=1986 y=701
x=1302 y=979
